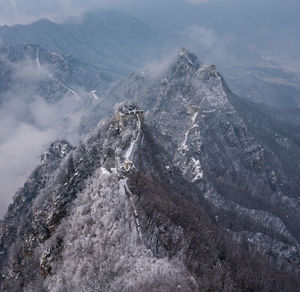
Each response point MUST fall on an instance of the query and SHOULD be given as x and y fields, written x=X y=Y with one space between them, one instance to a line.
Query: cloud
x=156 y=69
x=207 y=44
x=18 y=155
x=28 y=124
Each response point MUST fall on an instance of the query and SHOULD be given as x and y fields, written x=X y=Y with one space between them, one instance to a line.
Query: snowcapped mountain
x=241 y=160
x=192 y=190
x=115 y=42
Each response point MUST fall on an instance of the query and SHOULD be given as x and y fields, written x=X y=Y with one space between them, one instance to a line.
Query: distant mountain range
x=118 y=44
x=113 y=41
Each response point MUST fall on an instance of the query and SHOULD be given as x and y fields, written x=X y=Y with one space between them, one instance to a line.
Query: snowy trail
x=38 y=64
x=183 y=146
x=193 y=164
x=37 y=59
x=129 y=151
x=124 y=183
x=195 y=115
x=73 y=91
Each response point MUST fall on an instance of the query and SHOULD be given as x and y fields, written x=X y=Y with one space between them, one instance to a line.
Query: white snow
x=63 y=151
x=261 y=217
x=124 y=183
x=183 y=53
x=72 y=91
x=114 y=170
x=133 y=142
x=37 y=60
x=195 y=117
x=45 y=157
x=197 y=170
x=208 y=112
x=94 y=95
x=183 y=146
x=104 y=171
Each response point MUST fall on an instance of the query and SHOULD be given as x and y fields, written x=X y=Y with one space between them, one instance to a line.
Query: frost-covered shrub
x=102 y=250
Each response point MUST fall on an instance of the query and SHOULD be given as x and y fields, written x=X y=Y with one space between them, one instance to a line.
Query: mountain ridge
x=178 y=194
x=101 y=44
x=239 y=125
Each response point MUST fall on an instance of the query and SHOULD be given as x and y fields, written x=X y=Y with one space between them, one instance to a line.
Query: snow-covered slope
x=241 y=160
x=188 y=192
x=55 y=75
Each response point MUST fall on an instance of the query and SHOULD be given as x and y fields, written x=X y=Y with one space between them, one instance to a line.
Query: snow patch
x=72 y=91
x=128 y=154
x=197 y=170
x=37 y=59
x=94 y=95
x=124 y=183
x=183 y=146
x=104 y=171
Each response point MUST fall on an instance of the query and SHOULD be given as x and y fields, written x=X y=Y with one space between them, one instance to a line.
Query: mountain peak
x=187 y=57
x=185 y=62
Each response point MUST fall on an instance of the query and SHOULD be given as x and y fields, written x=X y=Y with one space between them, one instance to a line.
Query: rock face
x=194 y=190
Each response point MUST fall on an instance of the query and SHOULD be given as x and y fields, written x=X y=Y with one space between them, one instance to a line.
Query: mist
x=260 y=27
x=28 y=124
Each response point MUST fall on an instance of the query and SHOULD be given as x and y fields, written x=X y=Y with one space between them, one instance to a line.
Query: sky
x=25 y=11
